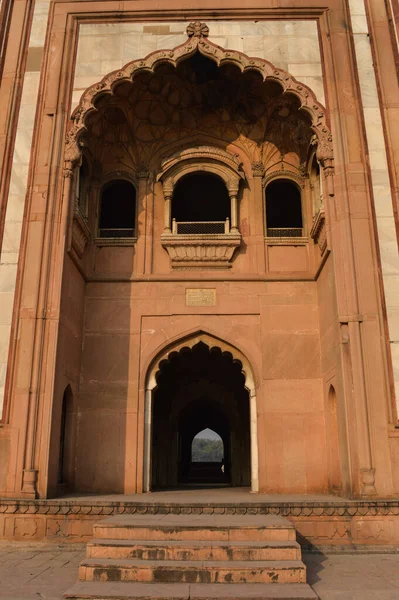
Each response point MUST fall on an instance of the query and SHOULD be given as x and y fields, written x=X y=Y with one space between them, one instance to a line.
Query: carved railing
x=116 y=233
x=201 y=244
x=200 y=227
x=287 y=232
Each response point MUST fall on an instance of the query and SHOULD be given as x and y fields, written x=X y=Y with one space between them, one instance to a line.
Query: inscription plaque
x=200 y=297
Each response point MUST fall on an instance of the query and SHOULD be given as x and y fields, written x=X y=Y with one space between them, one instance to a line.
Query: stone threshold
x=202 y=503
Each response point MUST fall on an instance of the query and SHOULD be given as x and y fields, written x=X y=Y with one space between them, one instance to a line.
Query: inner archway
x=200 y=387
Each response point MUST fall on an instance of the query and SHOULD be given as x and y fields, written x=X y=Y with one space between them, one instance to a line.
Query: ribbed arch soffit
x=198 y=41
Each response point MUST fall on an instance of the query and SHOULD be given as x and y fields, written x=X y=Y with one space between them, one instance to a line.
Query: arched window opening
x=200 y=204
x=117 y=210
x=207 y=446
x=65 y=432
x=283 y=209
x=207 y=459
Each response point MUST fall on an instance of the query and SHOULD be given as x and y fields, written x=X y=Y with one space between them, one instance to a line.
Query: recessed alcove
x=198 y=388
x=200 y=204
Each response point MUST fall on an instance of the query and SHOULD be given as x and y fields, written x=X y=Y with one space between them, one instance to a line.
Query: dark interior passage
x=283 y=204
x=200 y=197
x=200 y=388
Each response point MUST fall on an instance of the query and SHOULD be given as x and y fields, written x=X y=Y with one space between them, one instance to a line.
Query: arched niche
x=263 y=104
x=117 y=209
x=66 y=440
x=201 y=159
x=333 y=448
x=198 y=42
x=186 y=345
x=283 y=200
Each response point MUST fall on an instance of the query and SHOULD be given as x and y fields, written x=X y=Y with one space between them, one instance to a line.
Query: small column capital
x=142 y=171
x=258 y=170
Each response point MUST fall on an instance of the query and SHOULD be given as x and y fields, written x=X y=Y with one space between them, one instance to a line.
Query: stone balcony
x=201 y=244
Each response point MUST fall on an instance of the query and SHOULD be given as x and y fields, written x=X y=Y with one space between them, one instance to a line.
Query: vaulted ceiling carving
x=197 y=88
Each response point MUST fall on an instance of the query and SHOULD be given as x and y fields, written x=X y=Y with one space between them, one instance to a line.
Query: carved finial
x=197 y=29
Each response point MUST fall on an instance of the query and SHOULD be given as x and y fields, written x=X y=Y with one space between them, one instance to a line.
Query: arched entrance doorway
x=200 y=384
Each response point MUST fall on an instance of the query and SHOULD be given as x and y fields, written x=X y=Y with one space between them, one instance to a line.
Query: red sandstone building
x=198 y=229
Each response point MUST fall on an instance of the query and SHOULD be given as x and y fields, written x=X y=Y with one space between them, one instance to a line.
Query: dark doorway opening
x=200 y=388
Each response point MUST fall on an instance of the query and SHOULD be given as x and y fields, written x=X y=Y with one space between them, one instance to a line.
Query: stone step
x=197 y=550
x=180 y=591
x=196 y=527
x=92 y=569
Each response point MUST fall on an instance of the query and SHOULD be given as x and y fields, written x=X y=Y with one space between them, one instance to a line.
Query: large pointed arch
x=198 y=42
x=188 y=342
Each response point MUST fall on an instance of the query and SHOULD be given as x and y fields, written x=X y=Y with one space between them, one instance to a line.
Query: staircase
x=196 y=557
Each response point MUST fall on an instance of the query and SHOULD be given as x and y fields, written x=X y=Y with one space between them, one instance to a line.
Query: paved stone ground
x=38 y=572
x=354 y=576
x=43 y=572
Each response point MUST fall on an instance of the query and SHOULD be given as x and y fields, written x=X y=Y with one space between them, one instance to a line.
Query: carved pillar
x=258 y=214
x=321 y=188
x=254 y=443
x=147 y=441
x=30 y=472
x=76 y=195
x=233 y=208
x=167 y=192
x=93 y=205
x=233 y=191
x=328 y=171
x=142 y=176
x=353 y=360
x=143 y=221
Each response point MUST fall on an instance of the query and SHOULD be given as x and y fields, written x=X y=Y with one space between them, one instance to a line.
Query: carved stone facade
x=302 y=325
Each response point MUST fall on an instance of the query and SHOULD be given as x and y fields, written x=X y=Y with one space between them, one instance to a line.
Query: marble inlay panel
x=39 y=26
x=17 y=192
x=290 y=45
x=380 y=178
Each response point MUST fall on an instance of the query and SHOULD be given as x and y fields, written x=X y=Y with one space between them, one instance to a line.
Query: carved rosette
x=197 y=29
x=318 y=231
x=201 y=251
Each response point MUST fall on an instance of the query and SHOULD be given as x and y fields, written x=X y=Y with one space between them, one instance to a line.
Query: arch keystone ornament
x=197 y=29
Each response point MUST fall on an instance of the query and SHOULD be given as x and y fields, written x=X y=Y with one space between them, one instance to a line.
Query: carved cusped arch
x=201 y=158
x=198 y=42
x=201 y=250
x=217 y=349
x=293 y=176
x=119 y=174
